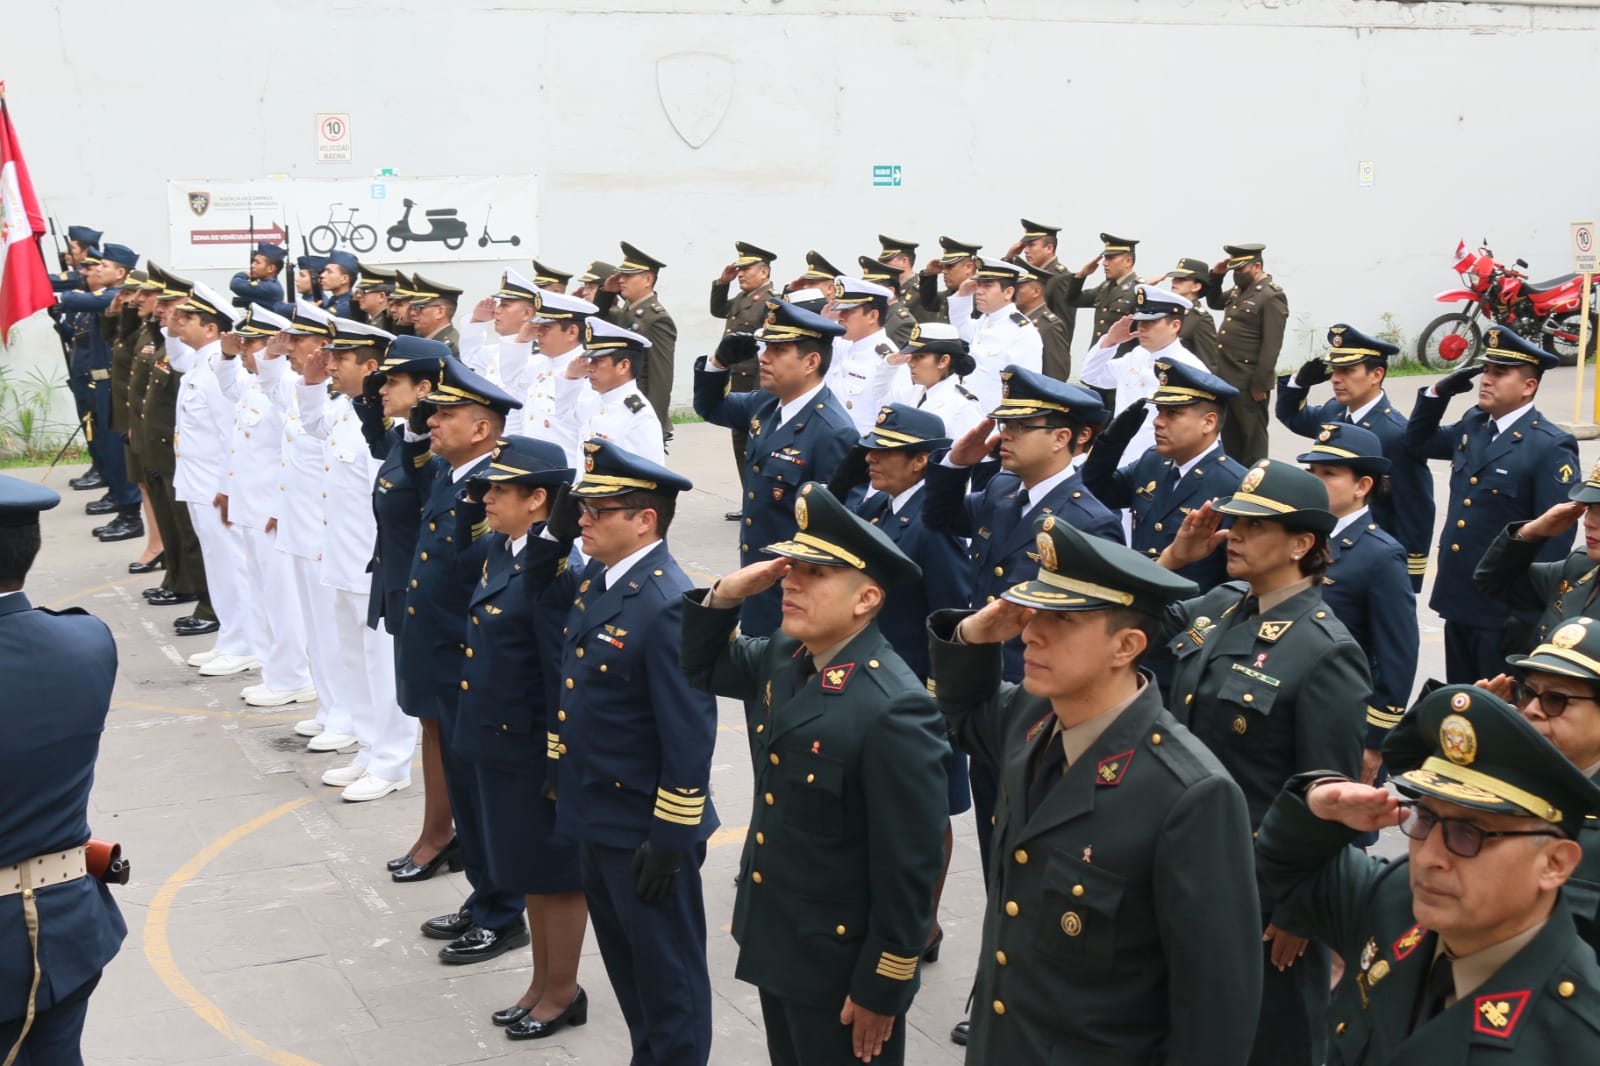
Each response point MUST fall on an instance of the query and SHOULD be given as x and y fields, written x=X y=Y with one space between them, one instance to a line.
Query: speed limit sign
x=1585 y=250
x=333 y=138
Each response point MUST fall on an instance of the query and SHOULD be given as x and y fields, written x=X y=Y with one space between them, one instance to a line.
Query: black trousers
x=1292 y=1028
x=53 y=1040
x=806 y=1036
x=1472 y=653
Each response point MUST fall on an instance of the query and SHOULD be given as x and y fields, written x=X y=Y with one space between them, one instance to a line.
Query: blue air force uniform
x=263 y=292
x=1495 y=479
x=1406 y=511
x=510 y=690
x=633 y=768
x=59 y=668
x=1154 y=489
x=91 y=383
x=781 y=454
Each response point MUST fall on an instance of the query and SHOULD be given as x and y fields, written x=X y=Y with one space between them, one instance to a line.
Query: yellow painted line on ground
x=726 y=834
x=158 y=950
x=207 y=712
x=70 y=598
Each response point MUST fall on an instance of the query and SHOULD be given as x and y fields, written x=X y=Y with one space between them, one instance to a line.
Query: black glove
x=1457 y=381
x=369 y=389
x=735 y=348
x=655 y=868
x=563 y=521
x=852 y=471
x=418 y=420
x=1125 y=426
x=1312 y=372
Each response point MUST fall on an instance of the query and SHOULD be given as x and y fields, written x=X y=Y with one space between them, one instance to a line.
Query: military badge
x=1565 y=473
x=801 y=515
x=916 y=332
x=1139 y=299
x=1071 y=924
x=1271 y=632
x=755 y=427
x=1047 y=550
x=1594 y=473
x=1379 y=971
x=1326 y=434
x=583 y=587
x=1497 y=1013
x=1369 y=951
x=1494 y=337
x=1568 y=636
x=1252 y=479
x=1036 y=728
x=1408 y=942
x=1112 y=769
x=883 y=415
x=1049 y=524
x=1240 y=725
x=1338 y=340
x=1459 y=740
x=834 y=678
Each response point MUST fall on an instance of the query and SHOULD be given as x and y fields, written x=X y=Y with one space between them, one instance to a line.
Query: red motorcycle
x=1546 y=313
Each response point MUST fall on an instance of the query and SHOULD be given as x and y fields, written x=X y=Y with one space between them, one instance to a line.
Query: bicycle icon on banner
x=360 y=237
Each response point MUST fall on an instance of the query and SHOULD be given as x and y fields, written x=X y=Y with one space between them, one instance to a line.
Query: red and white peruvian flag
x=24 y=281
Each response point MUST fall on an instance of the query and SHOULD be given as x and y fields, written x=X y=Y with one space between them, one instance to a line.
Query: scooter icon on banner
x=443 y=226
x=486 y=240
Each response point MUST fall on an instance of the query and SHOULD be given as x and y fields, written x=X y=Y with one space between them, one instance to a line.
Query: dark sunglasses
x=1461 y=837
x=1553 y=704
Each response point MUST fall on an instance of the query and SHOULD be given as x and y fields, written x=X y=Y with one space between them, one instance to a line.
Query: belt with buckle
x=26 y=878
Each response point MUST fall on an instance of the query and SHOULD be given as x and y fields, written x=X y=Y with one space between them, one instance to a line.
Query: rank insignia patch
x=834 y=678
x=1112 y=769
x=1497 y=1014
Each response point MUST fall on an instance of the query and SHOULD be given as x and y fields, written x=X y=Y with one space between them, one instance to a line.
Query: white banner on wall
x=379 y=220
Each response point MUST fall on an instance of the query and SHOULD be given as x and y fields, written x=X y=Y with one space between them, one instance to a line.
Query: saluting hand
x=1457 y=381
x=1554 y=522
x=751 y=580
x=869 y=1030
x=1498 y=685
x=1090 y=267
x=996 y=623
x=1121 y=330
x=729 y=272
x=315 y=371
x=975 y=444
x=483 y=310
x=1364 y=808
x=1199 y=536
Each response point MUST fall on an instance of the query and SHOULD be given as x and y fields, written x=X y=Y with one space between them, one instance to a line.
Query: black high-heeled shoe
x=158 y=563
x=399 y=864
x=449 y=855
x=931 y=952
x=511 y=1015
x=531 y=1028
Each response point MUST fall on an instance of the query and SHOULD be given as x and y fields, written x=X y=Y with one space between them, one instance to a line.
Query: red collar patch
x=834 y=678
x=1497 y=1014
x=1036 y=728
x=1112 y=769
x=1408 y=943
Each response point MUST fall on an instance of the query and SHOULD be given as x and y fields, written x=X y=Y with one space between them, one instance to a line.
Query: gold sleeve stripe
x=688 y=810
x=420 y=461
x=1385 y=718
x=675 y=818
x=480 y=528
x=897 y=967
x=1417 y=564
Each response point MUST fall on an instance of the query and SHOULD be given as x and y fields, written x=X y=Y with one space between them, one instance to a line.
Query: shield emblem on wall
x=198 y=202
x=695 y=90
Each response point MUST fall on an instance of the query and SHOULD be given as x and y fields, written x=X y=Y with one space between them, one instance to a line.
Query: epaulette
x=657 y=308
x=962 y=389
x=1018 y=318
x=634 y=402
x=63 y=612
x=1188 y=765
x=884 y=349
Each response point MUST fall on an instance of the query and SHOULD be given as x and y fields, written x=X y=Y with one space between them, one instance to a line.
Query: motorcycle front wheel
x=396 y=243
x=1450 y=342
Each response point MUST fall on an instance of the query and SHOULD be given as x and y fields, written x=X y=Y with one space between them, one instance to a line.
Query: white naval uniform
x=549 y=407
x=950 y=399
x=364 y=657
x=1133 y=376
x=504 y=360
x=624 y=416
x=853 y=371
x=299 y=539
x=996 y=340
x=252 y=490
x=204 y=427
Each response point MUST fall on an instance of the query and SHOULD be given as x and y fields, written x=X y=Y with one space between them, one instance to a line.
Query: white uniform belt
x=41 y=871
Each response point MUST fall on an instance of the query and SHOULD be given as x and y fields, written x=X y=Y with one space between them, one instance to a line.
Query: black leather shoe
x=168 y=598
x=158 y=563
x=88 y=481
x=449 y=855
x=405 y=860
x=931 y=952
x=198 y=628
x=156 y=590
x=958 y=1035
x=510 y=1016
x=104 y=505
x=125 y=527
x=531 y=1028
x=480 y=945
x=448 y=926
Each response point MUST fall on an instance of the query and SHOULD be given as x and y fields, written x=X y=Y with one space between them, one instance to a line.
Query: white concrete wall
x=1186 y=123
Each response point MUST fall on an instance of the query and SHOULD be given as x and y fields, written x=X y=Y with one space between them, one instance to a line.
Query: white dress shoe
x=371 y=788
x=308 y=727
x=250 y=690
x=332 y=742
x=344 y=776
x=200 y=658
x=223 y=665
x=262 y=696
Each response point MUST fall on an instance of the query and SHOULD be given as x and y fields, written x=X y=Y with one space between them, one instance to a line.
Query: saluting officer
x=1358 y=365
x=632 y=746
x=374 y=286
x=900 y=257
x=549 y=278
x=591 y=279
x=797 y=428
x=1190 y=279
x=555 y=384
x=1465 y=950
x=956 y=264
x=59 y=927
x=1183 y=469
x=432 y=309
x=743 y=313
x=613 y=406
x=1121 y=882
x=399 y=309
x=985 y=313
x=1508 y=462
x=837 y=877
x=1274 y=684
x=818 y=275
x=1510 y=572
x=1055 y=333
x=898 y=323
x=1364 y=586
x=859 y=355
x=929 y=373
x=1112 y=298
x=640 y=311
x=1255 y=313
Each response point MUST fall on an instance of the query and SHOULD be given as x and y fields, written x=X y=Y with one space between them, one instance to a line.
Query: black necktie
x=923 y=398
x=1494 y=429
x=600 y=583
x=879 y=509
x=1022 y=503
x=1440 y=986
x=1052 y=764
x=1174 y=475
x=1347 y=420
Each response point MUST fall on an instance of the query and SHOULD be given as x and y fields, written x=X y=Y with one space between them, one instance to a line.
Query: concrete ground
x=262 y=924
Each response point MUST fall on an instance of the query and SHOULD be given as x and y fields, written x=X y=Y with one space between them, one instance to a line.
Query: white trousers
x=365 y=662
x=284 y=666
x=315 y=601
x=222 y=550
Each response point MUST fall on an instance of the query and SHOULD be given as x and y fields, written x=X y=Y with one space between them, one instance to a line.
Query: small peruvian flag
x=24 y=281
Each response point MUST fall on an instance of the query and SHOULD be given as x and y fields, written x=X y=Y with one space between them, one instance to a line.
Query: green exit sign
x=886 y=175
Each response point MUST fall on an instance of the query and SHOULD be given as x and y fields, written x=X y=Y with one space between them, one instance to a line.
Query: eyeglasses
x=1008 y=428
x=1553 y=704
x=1461 y=837
x=589 y=510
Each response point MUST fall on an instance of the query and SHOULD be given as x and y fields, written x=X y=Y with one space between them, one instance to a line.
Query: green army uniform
x=646 y=317
x=1118 y=887
x=450 y=336
x=845 y=840
x=1199 y=334
x=1465 y=747
x=931 y=303
x=144 y=344
x=1511 y=573
x=1110 y=299
x=423 y=290
x=1253 y=325
x=1056 y=279
x=1057 y=337
x=123 y=325
x=1274 y=691
x=907 y=287
x=742 y=312
x=898 y=322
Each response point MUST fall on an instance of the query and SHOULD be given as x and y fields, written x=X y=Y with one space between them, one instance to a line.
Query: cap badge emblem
x=1458 y=739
